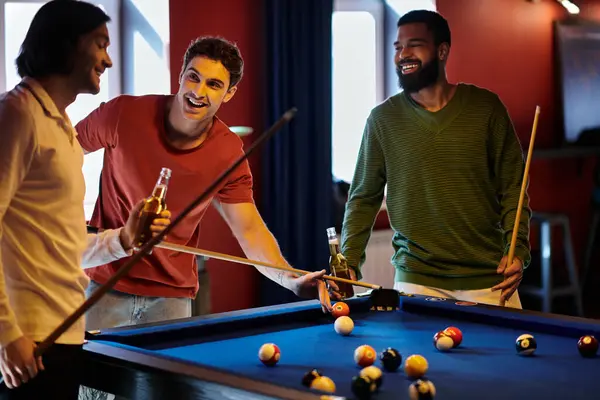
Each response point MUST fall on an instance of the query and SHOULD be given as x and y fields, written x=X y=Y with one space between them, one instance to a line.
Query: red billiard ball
x=587 y=346
x=455 y=334
x=269 y=354
x=365 y=355
x=340 y=309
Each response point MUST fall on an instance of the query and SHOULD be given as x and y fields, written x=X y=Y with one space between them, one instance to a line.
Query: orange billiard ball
x=340 y=309
x=365 y=355
x=269 y=354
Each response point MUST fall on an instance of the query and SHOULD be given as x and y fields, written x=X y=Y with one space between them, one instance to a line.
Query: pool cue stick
x=93 y=299
x=513 y=242
x=241 y=260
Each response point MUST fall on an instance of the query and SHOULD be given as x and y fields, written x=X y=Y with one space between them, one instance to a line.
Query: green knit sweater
x=453 y=182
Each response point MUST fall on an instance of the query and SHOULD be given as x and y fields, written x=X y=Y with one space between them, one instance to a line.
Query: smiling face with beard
x=417 y=57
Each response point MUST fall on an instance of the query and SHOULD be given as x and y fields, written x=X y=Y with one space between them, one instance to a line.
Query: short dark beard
x=419 y=80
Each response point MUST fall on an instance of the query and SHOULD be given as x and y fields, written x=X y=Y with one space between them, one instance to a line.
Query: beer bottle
x=338 y=264
x=153 y=206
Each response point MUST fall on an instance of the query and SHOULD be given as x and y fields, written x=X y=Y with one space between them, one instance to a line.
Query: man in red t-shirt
x=142 y=134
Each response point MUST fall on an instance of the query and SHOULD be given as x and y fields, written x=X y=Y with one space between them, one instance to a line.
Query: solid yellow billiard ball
x=416 y=366
x=323 y=383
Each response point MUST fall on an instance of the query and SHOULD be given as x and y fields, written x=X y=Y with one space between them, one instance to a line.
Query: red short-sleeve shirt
x=131 y=131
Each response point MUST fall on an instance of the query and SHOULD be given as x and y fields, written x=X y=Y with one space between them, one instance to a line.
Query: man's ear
x=443 y=51
x=230 y=94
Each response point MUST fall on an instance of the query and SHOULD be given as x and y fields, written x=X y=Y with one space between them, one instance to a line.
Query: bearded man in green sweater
x=453 y=167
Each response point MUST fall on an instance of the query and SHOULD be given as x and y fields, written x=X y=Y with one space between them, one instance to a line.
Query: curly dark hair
x=434 y=21
x=217 y=49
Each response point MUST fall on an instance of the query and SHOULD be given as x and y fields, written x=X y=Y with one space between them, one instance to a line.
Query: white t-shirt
x=43 y=236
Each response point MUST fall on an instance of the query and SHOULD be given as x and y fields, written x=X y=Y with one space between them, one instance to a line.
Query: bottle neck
x=160 y=191
x=334 y=247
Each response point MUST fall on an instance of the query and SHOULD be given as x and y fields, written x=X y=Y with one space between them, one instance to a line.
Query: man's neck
x=181 y=133
x=435 y=97
x=58 y=89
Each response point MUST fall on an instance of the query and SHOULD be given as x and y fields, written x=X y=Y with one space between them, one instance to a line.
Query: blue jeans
x=117 y=309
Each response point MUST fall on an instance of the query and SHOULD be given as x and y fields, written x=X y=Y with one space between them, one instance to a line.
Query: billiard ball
x=525 y=336
x=323 y=383
x=344 y=325
x=364 y=355
x=526 y=345
x=362 y=387
x=390 y=359
x=340 y=309
x=416 y=366
x=269 y=354
x=587 y=346
x=422 y=389
x=455 y=334
x=442 y=341
x=374 y=374
x=310 y=376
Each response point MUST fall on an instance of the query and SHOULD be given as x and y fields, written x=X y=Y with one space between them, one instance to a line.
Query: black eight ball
x=362 y=387
x=391 y=359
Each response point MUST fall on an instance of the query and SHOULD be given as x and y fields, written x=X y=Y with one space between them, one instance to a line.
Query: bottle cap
x=166 y=172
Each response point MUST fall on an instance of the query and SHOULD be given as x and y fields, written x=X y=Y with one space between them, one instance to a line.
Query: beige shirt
x=43 y=236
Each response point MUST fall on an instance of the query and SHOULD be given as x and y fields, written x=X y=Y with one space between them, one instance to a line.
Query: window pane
x=354 y=85
x=17 y=18
x=149 y=23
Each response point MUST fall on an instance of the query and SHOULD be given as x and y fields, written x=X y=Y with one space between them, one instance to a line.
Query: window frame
x=377 y=9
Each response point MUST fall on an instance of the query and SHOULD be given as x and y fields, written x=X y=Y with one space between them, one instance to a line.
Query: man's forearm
x=364 y=197
x=358 y=223
x=260 y=245
x=104 y=247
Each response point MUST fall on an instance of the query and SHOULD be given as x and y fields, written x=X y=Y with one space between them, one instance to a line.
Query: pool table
x=216 y=356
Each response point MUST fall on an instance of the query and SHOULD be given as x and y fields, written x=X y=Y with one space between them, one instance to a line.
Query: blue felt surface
x=486 y=365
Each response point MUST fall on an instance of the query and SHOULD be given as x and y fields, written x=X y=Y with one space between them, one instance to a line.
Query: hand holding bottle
x=134 y=222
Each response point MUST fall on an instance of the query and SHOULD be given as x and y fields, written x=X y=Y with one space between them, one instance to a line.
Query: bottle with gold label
x=153 y=206
x=338 y=265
